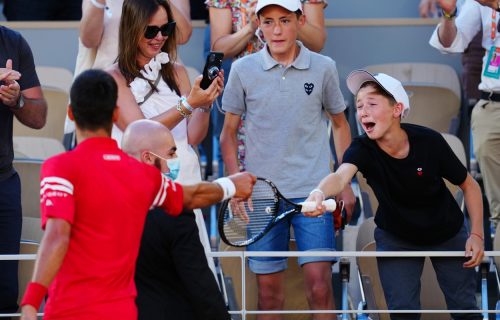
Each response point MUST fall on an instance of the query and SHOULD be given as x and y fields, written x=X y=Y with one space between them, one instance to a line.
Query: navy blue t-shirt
x=414 y=202
x=14 y=47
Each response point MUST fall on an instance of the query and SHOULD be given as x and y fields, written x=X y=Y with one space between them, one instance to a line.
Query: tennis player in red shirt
x=94 y=201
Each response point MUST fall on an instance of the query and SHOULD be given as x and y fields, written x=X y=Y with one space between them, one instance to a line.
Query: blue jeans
x=10 y=236
x=311 y=234
x=400 y=277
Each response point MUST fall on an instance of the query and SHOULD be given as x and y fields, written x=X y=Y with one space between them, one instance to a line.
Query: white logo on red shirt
x=111 y=157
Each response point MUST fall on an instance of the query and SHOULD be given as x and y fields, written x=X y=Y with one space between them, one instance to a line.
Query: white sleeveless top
x=157 y=103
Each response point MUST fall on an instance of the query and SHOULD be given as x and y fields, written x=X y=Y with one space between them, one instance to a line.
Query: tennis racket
x=249 y=221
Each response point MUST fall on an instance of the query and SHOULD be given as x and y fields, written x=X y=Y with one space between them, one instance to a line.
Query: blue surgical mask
x=174 y=165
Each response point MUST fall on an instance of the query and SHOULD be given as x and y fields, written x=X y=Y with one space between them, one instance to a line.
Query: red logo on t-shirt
x=419 y=171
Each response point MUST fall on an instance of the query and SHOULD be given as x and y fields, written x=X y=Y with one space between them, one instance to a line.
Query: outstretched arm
x=331 y=185
x=207 y=193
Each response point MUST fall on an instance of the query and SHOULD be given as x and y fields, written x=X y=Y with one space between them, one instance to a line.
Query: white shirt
x=468 y=23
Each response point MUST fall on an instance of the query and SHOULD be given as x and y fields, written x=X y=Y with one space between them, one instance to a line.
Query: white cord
x=219 y=108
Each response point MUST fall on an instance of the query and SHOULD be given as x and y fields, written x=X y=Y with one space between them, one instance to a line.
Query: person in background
x=98 y=41
x=101 y=20
x=20 y=97
x=453 y=35
x=399 y=161
x=234 y=31
x=172 y=276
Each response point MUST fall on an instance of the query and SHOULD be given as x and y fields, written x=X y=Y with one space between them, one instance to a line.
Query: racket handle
x=308 y=206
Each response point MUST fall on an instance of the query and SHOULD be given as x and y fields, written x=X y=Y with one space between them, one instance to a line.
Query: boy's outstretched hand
x=318 y=197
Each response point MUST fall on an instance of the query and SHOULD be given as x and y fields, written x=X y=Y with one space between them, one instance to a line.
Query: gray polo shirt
x=286 y=129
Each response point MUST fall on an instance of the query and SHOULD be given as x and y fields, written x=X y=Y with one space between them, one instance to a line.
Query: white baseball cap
x=290 y=5
x=393 y=86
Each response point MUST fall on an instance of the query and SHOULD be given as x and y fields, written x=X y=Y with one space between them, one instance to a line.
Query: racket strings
x=260 y=212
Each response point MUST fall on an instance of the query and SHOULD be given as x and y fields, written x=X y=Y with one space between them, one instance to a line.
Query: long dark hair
x=134 y=20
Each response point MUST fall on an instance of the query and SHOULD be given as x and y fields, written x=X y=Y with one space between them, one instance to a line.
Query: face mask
x=175 y=166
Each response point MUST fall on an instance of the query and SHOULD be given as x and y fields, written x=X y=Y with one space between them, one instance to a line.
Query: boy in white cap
x=286 y=91
x=405 y=165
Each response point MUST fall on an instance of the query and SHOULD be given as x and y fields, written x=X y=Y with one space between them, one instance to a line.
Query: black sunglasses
x=166 y=30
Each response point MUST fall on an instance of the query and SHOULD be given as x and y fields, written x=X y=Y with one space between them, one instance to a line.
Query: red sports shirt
x=105 y=195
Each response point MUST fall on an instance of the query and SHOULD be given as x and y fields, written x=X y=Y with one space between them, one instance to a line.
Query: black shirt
x=172 y=277
x=414 y=202
x=13 y=46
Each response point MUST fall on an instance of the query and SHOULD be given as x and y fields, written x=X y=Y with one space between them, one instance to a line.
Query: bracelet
x=98 y=4
x=477 y=235
x=185 y=103
x=318 y=190
x=182 y=111
x=35 y=292
x=450 y=15
x=227 y=186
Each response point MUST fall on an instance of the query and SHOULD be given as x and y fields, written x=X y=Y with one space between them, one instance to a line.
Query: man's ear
x=116 y=114
x=70 y=113
x=147 y=158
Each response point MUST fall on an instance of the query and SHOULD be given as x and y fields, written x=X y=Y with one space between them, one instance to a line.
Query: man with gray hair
x=172 y=274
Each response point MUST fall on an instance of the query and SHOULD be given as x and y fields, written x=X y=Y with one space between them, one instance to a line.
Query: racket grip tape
x=308 y=206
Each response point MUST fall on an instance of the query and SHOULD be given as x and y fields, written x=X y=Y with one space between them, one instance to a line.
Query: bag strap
x=146 y=97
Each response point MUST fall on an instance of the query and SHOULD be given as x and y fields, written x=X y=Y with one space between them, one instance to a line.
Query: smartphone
x=212 y=67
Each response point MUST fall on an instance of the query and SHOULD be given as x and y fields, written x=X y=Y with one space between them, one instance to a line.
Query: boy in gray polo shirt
x=286 y=91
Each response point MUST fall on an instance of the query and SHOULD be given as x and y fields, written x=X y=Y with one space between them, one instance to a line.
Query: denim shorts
x=311 y=234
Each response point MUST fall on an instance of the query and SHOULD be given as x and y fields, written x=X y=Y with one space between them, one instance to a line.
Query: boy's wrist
x=478 y=235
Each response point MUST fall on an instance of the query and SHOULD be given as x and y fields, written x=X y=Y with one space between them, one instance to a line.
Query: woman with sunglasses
x=152 y=85
x=98 y=42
